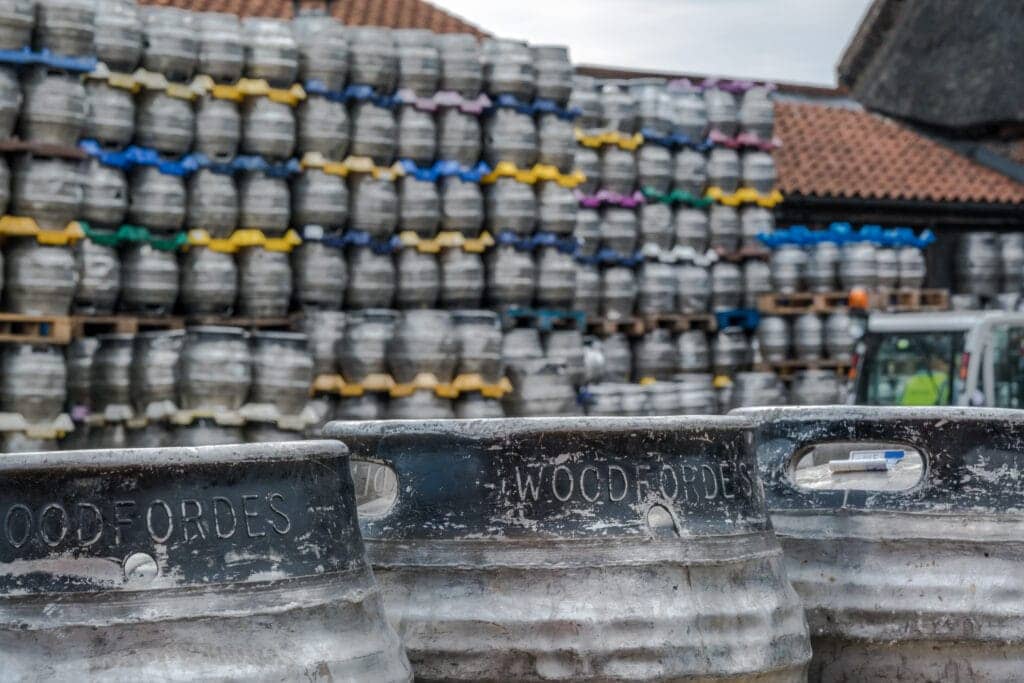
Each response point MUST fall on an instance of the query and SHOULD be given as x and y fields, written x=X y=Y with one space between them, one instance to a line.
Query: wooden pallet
x=92 y=325
x=638 y=325
x=35 y=329
x=787 y=368
x=282 y=323
x=909 y=300
x=43 y=149
x=797 y=303
x=744 y=254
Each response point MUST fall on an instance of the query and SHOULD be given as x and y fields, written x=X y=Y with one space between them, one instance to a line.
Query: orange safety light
x=858 y=298
x=965 y=363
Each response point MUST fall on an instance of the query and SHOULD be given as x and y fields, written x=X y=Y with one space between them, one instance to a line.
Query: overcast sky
x=791 y=40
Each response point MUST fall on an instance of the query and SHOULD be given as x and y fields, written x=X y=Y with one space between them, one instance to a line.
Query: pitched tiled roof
x=391 y=13
x=850 y=153
x=401 y=14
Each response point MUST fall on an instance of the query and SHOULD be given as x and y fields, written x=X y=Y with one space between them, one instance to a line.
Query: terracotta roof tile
x=401 y=14
x=838 y=152
x=280 y=9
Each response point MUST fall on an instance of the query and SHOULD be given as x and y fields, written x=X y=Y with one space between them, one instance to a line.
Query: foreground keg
x=215 y=370
x=510 y=136
x=189 y=558
x=912 y=572
x=584 y=510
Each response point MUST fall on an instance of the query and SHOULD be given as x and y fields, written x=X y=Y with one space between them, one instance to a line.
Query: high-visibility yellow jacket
x=926 y=389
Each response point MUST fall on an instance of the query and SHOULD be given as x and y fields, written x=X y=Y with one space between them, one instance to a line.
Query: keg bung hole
x=661 y=523
x=857 y=466
x=376 y=487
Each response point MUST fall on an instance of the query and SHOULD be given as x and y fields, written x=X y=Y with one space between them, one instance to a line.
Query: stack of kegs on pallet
x=680 y=181
x=43 y=103
x=988 y=271
x=198 y=386
x=833 y=261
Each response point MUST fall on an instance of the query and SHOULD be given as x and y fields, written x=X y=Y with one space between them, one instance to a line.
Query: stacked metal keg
x=197 y=386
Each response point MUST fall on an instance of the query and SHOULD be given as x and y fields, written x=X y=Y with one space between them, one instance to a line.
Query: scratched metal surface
x=923 y=584
x=212 y=563
x=576 y=549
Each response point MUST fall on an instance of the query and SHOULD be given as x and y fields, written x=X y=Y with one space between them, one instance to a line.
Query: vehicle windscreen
x=910 y=369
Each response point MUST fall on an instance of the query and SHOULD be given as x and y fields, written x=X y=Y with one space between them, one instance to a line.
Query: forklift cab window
x=1007 y=356
x=915 y=369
